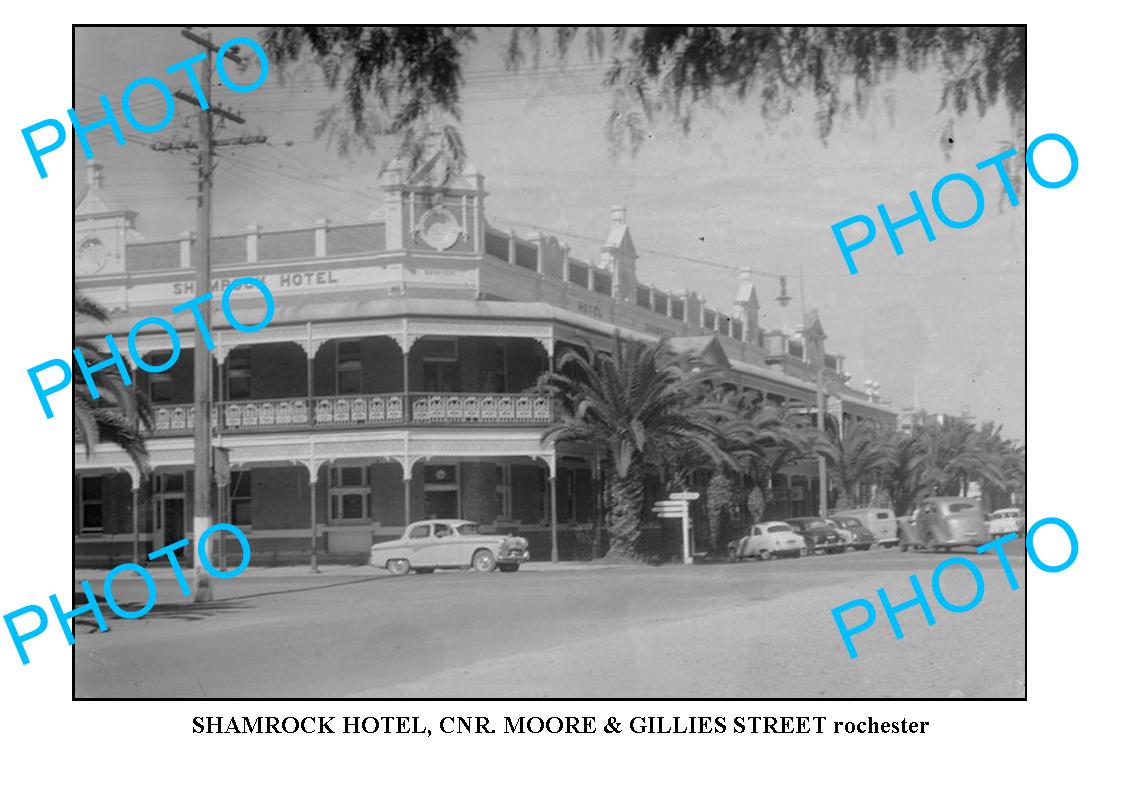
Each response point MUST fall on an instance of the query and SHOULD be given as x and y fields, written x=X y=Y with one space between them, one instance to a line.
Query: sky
x=945 y=321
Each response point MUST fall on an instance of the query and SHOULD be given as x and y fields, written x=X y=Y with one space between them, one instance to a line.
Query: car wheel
x=483 y=561
x=508 y=567
x=764 y=555
x=398 y=566
x=802 y=552
x=848 y=549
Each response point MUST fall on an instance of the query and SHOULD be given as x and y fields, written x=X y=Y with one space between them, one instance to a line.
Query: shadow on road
x=312 y=588
x=192 y=611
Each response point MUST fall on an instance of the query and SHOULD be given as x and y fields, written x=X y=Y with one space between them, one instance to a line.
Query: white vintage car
x=1006 y=521
x=449 y=544
x=767 y=539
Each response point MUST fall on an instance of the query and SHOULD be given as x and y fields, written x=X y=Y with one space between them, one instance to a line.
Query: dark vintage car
x=449 y=544
x=819 y=536
x=942 y=523
x=861 y=537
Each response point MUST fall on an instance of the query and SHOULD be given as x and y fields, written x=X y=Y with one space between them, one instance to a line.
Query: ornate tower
x=618 y=255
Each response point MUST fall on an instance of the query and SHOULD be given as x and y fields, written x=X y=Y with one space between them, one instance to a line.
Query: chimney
x=619 y=215
x=93 y=174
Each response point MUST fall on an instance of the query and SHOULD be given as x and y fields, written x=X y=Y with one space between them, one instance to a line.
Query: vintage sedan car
x=767 y=539
x=819 y=536
x=861 y=538
x=1005 y=521
x=428 y=545
x=946 y=522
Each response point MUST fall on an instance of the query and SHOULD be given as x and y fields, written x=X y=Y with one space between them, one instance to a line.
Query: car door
x=752 y=546
x=421 y=546
x=448 y=545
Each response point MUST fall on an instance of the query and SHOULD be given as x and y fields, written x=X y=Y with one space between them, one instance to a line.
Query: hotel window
x=661 y=303
x=348 y=368
x=238 y=375
x=602 y=283
x=723 y=325
x=160 y=387
x=502 y=492
x=496 y=245
x=709 y=319
x=91 y=504
x=579 y=273
x=526 y=255
x=349 y=499
x=241 y=502
x=738 y=330
x=643 y=297
x=170 y=483
x=678 y=310
x=440 y=365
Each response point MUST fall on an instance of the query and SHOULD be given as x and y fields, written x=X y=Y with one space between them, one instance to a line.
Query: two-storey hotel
x=393 y=382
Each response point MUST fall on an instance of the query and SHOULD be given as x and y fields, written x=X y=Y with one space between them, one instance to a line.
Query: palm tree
x=855 y=456
x=903 y=476
x=119 y=413
x=643 y=408
x=958 y=453
x=778 y=440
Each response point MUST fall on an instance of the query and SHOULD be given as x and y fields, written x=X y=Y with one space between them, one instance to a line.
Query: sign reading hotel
x=316 y=280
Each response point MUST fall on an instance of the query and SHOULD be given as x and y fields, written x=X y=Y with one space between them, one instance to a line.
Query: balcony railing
x=357 y=411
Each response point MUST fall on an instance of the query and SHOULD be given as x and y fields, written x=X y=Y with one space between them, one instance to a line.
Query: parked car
x=449 y=544
x=817 y=533
x=861 y=538
x=767 y=539
x=882 y=523
x=1005 y=521
x=946 y=522
x=844 y=535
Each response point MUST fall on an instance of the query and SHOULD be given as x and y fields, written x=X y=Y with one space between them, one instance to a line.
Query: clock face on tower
x=92 y=257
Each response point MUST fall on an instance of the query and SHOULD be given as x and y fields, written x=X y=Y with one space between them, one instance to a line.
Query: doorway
x=171 y=509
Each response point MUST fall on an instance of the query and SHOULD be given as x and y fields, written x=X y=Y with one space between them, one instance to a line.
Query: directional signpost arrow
x=678 y=507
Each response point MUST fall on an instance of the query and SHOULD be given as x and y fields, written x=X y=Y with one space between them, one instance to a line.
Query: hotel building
x=393 y=383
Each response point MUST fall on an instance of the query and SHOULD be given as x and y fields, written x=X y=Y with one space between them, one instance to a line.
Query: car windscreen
x=468 y=529
x=779 y=528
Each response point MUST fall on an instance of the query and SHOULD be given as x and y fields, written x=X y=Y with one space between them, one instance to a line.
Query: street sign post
x=678 y=507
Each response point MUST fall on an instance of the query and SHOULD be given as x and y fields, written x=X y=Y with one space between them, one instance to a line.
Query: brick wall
x=525 y=493
x=477 y=491
x=278 y=370
x=387 y=494
x=280 y=497
x=382 y=365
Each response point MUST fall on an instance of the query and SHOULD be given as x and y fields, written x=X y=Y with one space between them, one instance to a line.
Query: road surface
x=755 y=629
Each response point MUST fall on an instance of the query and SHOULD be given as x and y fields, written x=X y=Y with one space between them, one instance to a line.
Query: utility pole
x=202 y=513
x=820 y=421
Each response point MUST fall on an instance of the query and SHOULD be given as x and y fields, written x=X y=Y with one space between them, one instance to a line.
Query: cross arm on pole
x=209 y=45
x=225 y=114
